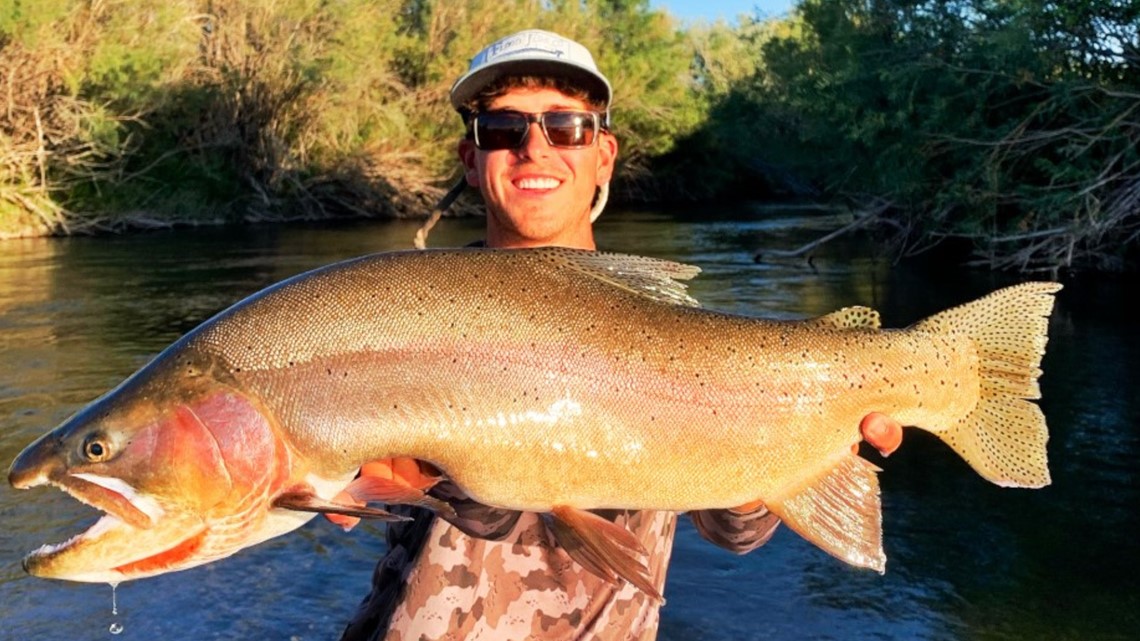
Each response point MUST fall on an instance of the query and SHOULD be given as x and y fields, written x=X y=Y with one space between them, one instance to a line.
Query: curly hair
x=501 y=86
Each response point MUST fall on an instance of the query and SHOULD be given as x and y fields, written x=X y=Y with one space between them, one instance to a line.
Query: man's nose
x=535 y=142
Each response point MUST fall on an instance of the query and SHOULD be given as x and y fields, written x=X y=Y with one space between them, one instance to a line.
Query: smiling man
x=540 y=151
x=538 y=193
x=538 y=146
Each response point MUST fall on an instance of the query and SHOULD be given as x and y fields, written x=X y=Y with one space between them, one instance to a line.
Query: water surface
x=966 y=560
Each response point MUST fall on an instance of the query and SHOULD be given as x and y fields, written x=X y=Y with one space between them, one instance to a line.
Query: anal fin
x=840 y=512
x=606 y=549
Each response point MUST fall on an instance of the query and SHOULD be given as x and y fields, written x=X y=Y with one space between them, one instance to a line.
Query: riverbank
x=993 y=128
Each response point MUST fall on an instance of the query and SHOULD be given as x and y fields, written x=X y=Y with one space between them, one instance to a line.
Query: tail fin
x=1003 y=439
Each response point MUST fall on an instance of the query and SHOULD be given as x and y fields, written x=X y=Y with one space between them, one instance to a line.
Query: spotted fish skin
x=549 y=379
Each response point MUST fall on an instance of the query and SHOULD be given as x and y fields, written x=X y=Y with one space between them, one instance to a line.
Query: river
x=966 y=560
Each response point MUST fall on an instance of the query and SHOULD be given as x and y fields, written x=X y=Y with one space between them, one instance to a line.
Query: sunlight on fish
x=599 y=392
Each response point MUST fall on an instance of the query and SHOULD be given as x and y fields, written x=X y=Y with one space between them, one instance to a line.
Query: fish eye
x=96 y=449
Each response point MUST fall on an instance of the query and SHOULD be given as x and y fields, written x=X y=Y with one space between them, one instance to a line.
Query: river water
x=966 y=560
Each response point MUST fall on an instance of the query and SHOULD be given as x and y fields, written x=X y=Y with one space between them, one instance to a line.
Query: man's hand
x=882 y=432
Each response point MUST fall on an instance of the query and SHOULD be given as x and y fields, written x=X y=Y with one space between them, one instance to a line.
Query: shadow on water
x=966 y=560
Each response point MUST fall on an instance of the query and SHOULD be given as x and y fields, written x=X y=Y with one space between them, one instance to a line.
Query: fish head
x=185 y=473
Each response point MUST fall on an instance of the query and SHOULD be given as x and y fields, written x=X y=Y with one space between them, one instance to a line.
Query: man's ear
x=607 y=155
x=467 y=153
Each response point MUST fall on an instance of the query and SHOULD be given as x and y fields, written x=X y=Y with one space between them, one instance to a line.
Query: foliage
x=1007 y=127
x=1012 y=125
x=160 y=112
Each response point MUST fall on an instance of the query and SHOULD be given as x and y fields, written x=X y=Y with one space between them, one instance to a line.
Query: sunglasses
x=494 y=130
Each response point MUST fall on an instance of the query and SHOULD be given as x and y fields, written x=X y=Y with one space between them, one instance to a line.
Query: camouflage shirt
x=496 y=575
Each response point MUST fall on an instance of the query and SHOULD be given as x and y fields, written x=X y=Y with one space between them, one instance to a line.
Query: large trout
x=548 y=380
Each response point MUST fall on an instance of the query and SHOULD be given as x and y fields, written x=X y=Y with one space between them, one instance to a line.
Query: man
x=539 y=149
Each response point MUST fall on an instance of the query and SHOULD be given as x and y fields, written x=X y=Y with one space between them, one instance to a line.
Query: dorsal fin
x=856 y=317
x=653 y=278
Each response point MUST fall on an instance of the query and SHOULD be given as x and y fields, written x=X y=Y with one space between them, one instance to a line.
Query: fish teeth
x=107 y=522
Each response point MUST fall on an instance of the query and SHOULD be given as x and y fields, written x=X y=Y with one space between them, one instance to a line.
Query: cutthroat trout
x=549 y=380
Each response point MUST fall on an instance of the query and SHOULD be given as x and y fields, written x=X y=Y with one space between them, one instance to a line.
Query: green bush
x=1012 y=127
x=199 y=111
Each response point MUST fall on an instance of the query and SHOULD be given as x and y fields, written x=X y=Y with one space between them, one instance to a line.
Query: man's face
x=537 y=194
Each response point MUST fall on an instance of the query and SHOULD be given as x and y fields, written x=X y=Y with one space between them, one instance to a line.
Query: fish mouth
x=115 y=497
x=118 y=546
x=43 y=557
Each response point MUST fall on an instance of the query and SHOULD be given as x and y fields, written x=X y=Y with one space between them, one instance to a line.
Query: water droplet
x=116 y=627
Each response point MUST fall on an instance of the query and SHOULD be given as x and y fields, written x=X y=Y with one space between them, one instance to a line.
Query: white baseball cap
x=530 y=52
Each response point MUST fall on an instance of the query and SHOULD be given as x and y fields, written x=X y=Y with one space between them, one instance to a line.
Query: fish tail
x=1004 y=437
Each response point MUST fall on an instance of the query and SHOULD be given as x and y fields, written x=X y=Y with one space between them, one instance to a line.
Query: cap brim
x=472 y=83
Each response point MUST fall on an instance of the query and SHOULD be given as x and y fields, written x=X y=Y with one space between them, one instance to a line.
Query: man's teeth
x=537 y=183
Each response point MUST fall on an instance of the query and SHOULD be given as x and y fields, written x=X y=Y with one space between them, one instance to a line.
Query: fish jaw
x=184 y=479
x=135 y=531
x=112 y=551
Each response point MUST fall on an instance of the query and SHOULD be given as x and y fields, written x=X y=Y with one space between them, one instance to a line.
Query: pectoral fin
x=305 y=501
x=604 y=548
x=370 y=488
x=839 y=511
x=395 y=481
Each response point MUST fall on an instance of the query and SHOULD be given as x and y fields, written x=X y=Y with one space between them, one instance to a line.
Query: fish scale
x=557 y=381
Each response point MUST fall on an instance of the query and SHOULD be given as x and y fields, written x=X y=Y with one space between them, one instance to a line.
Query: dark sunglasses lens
x=569 y=128
x=500 y=130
